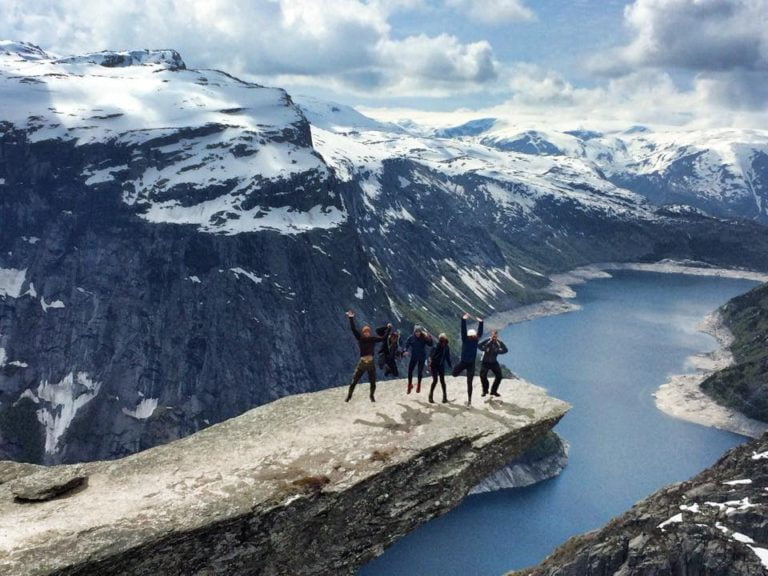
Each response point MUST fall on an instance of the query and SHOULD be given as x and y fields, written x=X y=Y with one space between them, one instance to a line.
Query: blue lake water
x=607 y=359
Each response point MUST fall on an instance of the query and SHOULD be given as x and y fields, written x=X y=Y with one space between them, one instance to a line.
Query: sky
x=701 y=63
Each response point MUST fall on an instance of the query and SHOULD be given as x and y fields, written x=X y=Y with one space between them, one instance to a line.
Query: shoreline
x=680 y=396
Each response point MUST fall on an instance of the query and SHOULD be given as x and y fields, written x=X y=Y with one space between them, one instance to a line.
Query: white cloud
x=493 y=12
x=702 y=35
x=723 y=43
x=343 y=43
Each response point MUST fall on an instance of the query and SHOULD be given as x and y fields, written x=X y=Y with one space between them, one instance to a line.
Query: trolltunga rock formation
x=304 y=485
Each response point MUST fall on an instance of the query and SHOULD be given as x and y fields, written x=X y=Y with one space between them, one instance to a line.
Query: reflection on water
x=606 y=359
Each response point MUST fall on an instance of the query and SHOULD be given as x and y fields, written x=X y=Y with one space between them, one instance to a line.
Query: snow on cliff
x=189 y=130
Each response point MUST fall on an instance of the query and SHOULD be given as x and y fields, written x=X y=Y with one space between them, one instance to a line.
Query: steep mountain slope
x=178 y=246
x=172 y=248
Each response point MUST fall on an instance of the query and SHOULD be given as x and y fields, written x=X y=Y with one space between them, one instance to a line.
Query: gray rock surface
x=545 y=459
x=715 y=524
x=48 y=483
x=13 y=470
x=308 y=484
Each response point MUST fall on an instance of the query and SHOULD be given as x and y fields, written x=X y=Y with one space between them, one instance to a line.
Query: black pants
x=438 y=371
x=470 y=368
x=415 y=361
x=496 y=369
x=390 y=367
x=363 y=366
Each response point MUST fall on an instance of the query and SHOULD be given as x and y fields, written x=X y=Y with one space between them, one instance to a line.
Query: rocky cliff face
x=178 y=246
x=715 y=525
x=307 y=485
x=545 y=459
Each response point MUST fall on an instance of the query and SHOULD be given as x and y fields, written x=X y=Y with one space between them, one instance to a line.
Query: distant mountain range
x=178 y=245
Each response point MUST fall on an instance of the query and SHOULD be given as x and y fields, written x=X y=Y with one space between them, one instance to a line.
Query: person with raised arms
x=469 y=342
x=366 y=342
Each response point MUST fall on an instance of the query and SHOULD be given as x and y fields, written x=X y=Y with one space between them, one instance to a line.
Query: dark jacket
x=469 y=345
x=491 y=350
x=366 y=343
x=418 y=346
x=390 y=349
x=440 y=356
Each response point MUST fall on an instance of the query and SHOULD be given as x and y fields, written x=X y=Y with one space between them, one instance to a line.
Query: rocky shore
x=682 y=397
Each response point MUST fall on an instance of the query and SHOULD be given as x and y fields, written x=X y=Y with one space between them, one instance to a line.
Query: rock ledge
x=305 y=485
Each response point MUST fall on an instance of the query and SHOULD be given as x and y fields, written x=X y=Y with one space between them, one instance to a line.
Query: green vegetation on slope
x=744 y=385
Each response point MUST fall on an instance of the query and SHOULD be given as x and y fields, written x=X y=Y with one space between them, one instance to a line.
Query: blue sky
x=701 y=62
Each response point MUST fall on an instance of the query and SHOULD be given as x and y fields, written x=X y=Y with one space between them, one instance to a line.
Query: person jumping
x=389 y=351
x=492 y=347
x=367 y=342
x=469 y=341
x=438 y=359
x=417 y=344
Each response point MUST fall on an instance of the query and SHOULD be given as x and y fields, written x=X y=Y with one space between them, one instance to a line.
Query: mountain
x=178 y=245
x=720 y=171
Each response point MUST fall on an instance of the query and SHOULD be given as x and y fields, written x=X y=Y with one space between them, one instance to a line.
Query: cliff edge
x=305 y=485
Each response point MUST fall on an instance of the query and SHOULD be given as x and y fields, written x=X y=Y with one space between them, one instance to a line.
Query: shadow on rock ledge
x=305 y=485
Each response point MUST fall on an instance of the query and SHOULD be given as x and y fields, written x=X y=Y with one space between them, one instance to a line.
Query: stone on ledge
x=47 y=483
x=305 y=485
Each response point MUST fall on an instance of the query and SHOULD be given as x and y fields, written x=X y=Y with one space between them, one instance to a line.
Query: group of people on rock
x=424 y=349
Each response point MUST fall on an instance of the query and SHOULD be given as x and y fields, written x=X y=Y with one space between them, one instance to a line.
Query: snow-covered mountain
x=723 y=172
x=177 y=245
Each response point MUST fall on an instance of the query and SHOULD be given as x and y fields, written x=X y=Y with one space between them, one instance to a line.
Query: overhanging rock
x=305 y=485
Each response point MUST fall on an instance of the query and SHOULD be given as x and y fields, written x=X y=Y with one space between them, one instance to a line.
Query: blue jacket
x=469 y=345
x=418 y=346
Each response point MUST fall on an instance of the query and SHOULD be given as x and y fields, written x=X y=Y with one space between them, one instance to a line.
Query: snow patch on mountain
x=55 y=304
x=250 y=275
x=336 y=117
x=11 y=281
x=144 y=409
x=78 y=99
x=225 y=216
x=169 y=59
x=60 y=402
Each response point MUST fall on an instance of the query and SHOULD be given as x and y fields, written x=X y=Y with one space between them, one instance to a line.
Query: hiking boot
x=495 y=394
x=418 y=388
x=431 y=400
x=468 y=403
x=445 y=400
x=373 y=399
x=410 y=387
x=485 y=393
